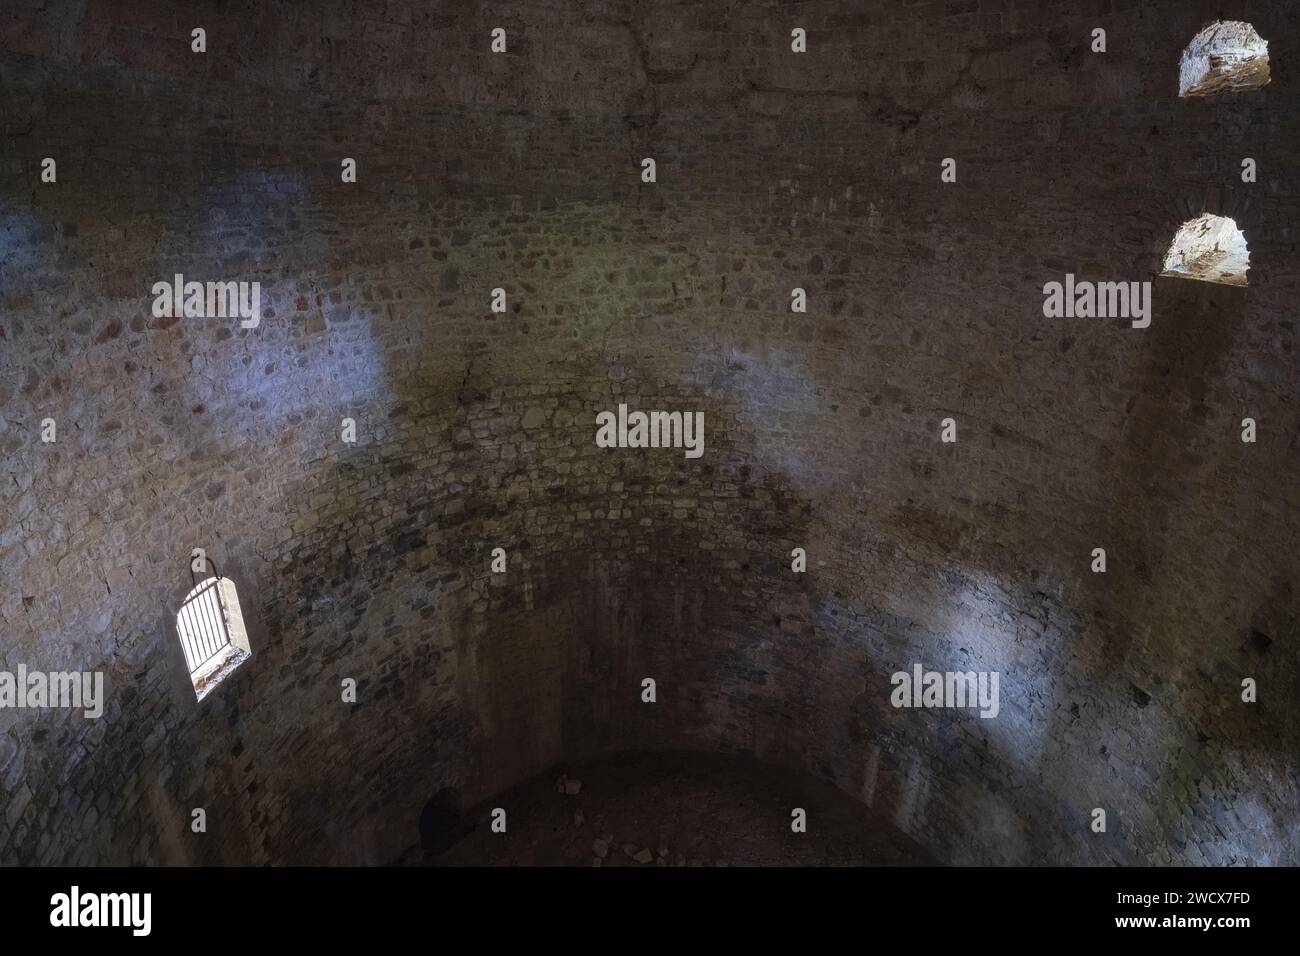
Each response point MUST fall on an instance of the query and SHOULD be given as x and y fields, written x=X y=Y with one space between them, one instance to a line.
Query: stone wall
x=522 y=171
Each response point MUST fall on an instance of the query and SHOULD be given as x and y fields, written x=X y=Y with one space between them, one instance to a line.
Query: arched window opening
x=211 y=628
x=1210 y=248
x=1226 y=57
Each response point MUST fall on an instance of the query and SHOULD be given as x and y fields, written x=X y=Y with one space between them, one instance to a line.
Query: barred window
x=211 y=629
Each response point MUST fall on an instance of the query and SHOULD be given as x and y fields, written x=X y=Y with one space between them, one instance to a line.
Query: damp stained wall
x=476 y=430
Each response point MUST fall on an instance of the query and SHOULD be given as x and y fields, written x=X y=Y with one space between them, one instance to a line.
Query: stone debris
x=644 y=856
x=600 y=848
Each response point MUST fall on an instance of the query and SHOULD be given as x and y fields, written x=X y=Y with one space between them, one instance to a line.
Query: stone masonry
x=475 y=429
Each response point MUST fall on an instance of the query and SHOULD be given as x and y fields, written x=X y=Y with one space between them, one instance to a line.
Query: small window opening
x=1226 y=57
x=1210 y=248
x=211 y=628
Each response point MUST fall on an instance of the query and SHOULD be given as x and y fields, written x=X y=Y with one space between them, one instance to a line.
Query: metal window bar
x=202 y=626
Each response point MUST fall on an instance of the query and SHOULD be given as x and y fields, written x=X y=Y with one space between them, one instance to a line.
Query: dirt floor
x=677 y=809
